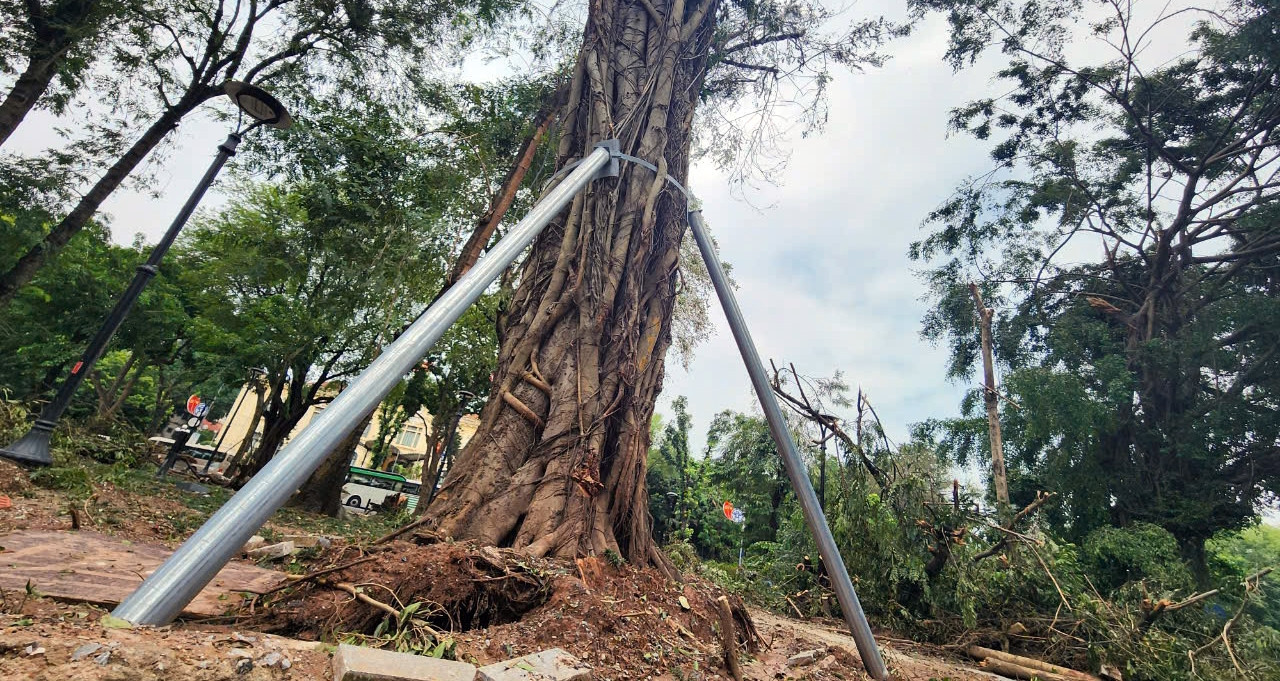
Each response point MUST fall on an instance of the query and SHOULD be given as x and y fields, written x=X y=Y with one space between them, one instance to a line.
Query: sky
x=820 y=255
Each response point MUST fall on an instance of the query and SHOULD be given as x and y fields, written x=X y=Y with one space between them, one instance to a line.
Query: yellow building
x=409 y=447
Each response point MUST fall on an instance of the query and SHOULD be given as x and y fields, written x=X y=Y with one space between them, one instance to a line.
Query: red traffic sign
x=192 y=403
x=728 y=510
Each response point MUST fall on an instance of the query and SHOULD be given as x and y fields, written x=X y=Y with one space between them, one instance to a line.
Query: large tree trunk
x=558 y=464
x=322 y=492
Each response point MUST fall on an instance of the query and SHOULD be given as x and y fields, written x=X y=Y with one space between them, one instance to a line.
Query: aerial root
x=515 y=403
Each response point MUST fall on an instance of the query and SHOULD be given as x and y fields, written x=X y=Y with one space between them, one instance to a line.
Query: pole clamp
x=615 y=152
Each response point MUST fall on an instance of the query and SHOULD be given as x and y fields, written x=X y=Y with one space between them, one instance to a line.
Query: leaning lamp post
x=33 y=448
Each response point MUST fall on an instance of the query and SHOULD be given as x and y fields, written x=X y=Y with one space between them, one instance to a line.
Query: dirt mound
x=13 y=479
x=492 y=604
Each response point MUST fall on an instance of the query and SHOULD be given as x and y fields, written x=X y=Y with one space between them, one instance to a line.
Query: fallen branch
x=980 y=653
x=396 y=533
x=361 y=596
x=802 y=406
x=1251 y=584
x=728 y=639
x=1041 y=499
x=794 y=607
x=1164 y=605
x=1017 y=671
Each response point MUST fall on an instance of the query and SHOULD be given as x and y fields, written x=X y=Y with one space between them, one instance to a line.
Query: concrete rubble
x=353 y=663
x=273 y=551
x=807 y=657
x=549 y=665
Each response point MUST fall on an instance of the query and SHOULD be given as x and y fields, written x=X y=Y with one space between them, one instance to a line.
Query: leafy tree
x=1146 y=378
x=182 y=54
x=51 y=42
x=48 y=325
x=318 y=273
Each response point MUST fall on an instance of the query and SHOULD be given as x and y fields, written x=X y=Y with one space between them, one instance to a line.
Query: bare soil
x=493 y=604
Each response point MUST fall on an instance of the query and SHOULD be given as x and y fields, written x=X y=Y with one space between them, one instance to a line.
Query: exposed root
x=492 y=603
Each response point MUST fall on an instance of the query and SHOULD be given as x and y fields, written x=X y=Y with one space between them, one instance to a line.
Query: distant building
x=408 y=448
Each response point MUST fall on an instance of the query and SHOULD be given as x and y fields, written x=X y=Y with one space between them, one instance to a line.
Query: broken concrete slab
x=805 y=658
x=85 y=651
x=554 y=664
x=257 y=541
x=195 y=487
x=307 y=541
x=273 y=551
x=354 y=663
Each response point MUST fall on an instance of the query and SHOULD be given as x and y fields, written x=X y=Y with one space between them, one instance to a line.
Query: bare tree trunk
x=992 y=399
x=54 y=31
x=30 y=85
x=557 y=466
x=26 y=267
x=272 y=437
x=322 y=492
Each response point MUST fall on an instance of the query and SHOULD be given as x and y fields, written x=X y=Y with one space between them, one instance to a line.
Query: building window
x=409 y=437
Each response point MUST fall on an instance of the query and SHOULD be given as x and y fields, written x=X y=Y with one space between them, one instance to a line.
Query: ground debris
x=495 y=604
x=548 y=665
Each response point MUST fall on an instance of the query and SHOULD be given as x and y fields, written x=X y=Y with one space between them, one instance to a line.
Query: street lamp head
x=258 y=104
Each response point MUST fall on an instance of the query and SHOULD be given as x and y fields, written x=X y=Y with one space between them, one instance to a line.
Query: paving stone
x=805 y=658
x=85 y=651
x=549 y=665
x=354 y=663
x=273 y=552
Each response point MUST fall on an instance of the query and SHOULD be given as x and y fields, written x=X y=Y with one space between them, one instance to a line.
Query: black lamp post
x=33 y=448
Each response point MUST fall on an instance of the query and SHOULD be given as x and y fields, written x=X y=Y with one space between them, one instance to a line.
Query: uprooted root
x=449 y=587
x=492 y=603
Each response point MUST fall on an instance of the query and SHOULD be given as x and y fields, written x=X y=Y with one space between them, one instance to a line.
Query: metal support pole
x=172 y=586
x=33 y=448
x=813 y=515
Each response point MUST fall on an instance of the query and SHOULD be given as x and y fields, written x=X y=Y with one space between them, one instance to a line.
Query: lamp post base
x=33 y=448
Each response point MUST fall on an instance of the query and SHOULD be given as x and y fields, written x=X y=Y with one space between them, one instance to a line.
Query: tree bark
x=591 y=317
x=26 y=267
x=322 y=492
x=22 y=98
x=992 y=400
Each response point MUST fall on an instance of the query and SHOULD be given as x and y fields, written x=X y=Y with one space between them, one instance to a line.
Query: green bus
x=366 y=488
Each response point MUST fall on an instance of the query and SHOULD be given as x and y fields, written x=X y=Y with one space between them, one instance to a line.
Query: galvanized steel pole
x=813 y=515
x=171 y=587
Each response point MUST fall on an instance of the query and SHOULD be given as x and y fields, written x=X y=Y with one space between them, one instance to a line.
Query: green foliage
x=1115 y=557
x=1146 y=375
x=1091 y=600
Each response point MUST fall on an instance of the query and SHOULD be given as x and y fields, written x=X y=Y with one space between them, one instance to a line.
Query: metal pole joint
x=614 y=147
